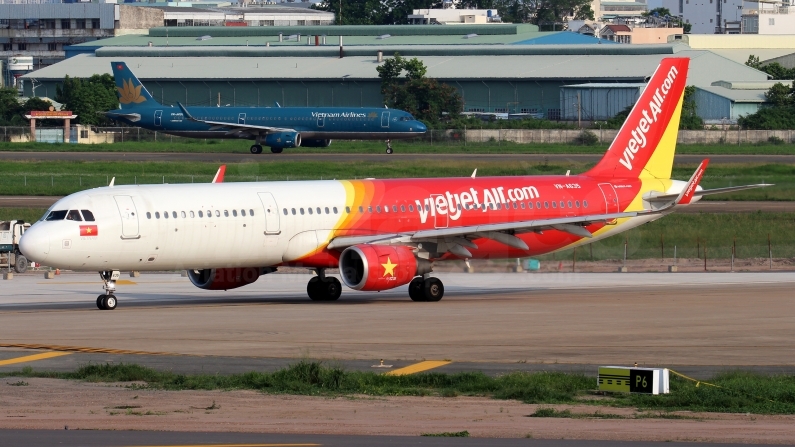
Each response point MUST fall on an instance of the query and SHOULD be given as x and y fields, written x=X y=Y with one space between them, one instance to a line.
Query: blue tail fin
x=131 y=92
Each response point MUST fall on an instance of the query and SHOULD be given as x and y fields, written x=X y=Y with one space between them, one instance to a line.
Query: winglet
x=690 y=189
x=185 y=112
x=219 y=176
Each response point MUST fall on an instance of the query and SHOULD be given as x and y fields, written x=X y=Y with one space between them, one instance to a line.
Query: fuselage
x=197 y=226
x=313 y=123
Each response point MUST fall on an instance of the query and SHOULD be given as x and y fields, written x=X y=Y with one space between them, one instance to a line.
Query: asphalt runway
x=244 y=157
x=45 y=202
x=72 y=438
x=500 y=322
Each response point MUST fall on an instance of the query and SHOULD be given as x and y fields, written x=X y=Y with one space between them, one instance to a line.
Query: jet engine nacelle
x=224 y=279
x=380 y=267
x=283 y=140
x=315 y=143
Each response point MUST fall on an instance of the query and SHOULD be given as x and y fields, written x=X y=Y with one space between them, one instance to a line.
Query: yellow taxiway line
x=69 y=349
x=418 y=367
x=32 y=358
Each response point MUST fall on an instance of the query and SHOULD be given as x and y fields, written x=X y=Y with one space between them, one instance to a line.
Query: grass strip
x=57 y=178
x=448 y=434
x=166 y=143
x=740 y=392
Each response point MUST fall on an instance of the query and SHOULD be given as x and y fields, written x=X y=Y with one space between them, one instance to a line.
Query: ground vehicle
x=10 y=233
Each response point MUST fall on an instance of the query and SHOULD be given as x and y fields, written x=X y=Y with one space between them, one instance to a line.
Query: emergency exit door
x=129 y=217
x=271 y=213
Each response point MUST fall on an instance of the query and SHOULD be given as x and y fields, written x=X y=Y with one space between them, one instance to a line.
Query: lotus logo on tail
x=130 y=94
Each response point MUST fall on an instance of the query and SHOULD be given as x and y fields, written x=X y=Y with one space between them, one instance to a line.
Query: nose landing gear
x=108 y=300
x=389 y=146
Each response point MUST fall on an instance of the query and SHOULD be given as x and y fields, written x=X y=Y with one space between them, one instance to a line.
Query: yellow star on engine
x=389 y=268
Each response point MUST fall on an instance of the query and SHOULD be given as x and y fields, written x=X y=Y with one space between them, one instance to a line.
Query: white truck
x=10 y=256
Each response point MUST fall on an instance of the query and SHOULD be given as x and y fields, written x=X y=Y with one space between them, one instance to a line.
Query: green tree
x=10 y=108
x=781 y=95
x=774 y=69
x=88 y=98
x=425 y=98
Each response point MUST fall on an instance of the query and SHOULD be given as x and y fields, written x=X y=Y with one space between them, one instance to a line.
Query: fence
x=454 y=137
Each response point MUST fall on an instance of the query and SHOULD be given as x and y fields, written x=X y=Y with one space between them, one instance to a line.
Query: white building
x=451 y=16
x=769 y=19
x=713 y=16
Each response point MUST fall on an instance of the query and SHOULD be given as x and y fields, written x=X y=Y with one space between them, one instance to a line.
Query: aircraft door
x=129 y=217
x=241 y=118
x=158 y=118
x=385 y=120
x=321 y=120
x=441 y=220
x=611 y=198
x=271 y=213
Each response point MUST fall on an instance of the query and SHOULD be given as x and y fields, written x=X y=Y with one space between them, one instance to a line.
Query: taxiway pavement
x=568 y=321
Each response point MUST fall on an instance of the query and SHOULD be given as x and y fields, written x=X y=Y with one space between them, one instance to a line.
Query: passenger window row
x=75 y=215
x=200 y=214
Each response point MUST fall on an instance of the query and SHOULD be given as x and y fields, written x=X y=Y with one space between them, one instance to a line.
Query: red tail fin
x=645 y=145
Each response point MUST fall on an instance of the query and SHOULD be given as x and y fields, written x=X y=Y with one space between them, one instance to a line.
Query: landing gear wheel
x=277 y=150
x=434 y=289
x=256 y=149
x=21 y=264
x=109 y=302
x=416 y=289
x=389 y=150
x=99 y=302
x=328 y=289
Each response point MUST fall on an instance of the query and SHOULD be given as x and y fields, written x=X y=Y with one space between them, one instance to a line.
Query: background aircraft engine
x=380 y=267
x=315 y=143
x=283 y=140
x=223 y=279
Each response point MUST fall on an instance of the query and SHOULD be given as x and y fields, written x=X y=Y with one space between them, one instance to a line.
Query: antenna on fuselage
x=474 y=173
x=568 y=172
x=112 y=181
x=277 y=104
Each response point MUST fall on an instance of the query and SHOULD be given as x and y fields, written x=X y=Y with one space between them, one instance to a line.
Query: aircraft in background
x=381 y=234
x=276 y=127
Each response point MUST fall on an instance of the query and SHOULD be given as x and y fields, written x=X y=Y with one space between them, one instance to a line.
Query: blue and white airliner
x=275 y=127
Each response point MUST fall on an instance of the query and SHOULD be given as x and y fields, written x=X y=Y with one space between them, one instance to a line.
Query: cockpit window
x=74 y=215
x=88 y=216
x=56 y=215
x=407 y=118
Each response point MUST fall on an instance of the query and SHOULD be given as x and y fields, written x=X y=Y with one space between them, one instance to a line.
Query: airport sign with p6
x=633 y=380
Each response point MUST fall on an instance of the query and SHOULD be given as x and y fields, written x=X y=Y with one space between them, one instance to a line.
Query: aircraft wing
x=234 y=127
x=500 y=232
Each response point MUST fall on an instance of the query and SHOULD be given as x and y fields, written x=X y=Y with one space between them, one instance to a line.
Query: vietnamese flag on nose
x=88 y=230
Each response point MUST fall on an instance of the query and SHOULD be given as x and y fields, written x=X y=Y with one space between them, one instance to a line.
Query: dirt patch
x=54 y=404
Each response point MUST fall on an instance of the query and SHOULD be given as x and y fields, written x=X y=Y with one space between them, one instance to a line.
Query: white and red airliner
x=381 y=234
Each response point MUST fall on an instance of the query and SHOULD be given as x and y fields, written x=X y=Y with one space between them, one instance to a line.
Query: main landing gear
x=389 y=146
x=426 y=289
x=108 y=300
x=323 y=288
x=256 y=149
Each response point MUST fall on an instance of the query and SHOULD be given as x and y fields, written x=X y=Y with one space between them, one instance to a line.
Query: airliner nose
x=421 y=127
x=35 y=244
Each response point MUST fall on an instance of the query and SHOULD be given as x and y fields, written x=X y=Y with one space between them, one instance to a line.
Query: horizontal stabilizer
x=707 y=192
